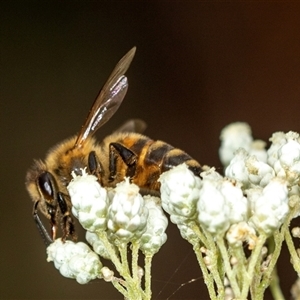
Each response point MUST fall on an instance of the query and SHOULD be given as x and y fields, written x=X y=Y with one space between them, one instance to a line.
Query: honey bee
x=125 y=153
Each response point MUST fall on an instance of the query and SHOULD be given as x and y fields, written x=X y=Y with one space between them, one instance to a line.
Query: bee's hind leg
x=128 y=157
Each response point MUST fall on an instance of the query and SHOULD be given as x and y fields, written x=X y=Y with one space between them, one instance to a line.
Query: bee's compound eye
x=45 y=183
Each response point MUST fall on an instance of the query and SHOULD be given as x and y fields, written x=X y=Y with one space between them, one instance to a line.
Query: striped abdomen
x=154 y=158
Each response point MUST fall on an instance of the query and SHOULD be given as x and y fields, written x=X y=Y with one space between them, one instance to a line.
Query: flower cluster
x=252 y=204
x=116 y=220
x=122 y=213
x=74 y=260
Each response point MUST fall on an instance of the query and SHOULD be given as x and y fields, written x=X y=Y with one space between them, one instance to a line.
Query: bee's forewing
x=108 y=100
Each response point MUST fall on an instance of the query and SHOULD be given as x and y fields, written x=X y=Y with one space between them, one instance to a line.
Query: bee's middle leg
x=95 y=166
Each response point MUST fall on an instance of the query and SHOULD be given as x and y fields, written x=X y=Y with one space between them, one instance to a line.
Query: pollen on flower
x=241 y=232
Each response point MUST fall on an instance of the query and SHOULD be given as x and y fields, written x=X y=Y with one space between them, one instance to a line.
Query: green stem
x=240 y=267
x=120 y=287
x=134 y=262
x=216 y=269
x=133 y=292
x=294 y=255
x=230 y=274
x=112 y=254
x=123 y=251
x=254 y=259
x=208 y=278
x=148 y=263
x=275 y=286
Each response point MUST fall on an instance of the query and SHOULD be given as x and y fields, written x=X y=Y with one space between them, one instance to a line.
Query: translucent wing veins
x=108 y=100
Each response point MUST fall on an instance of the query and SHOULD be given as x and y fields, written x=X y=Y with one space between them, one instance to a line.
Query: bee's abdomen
x=166 y=156
x=154 y=158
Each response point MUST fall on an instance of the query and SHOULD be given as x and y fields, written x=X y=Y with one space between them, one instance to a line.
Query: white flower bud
x=248 y=170
x=89 y=200
x=234 y=136
x=74 y=260
x=127 y=214
x=237 y=167
x=235 y=200
x=213 y=211
x=107 y=274
x=269 y=205
x=284 y=156
x=186 y=232
x=211 y=173
x=296 y=232
x=278 y=139
x=258 y=150
x=154 y=236
x=259 y=173
x=180 y=191
x=221 y=202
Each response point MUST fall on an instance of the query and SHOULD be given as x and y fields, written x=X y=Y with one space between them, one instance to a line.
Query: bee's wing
x=108 y=100
x=133 y=125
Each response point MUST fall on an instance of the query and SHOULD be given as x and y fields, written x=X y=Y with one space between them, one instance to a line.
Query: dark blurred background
x=199 y=66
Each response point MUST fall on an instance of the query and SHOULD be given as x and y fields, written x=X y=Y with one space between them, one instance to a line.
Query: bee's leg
x=95 y=166
x=44 y=233
x=128 y=156
x=47 y=186
x=68 y=223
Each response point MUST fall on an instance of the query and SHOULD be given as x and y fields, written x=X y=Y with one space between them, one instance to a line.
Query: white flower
x=234 y=136
x=249 y=170
x=154 y=236
x=179 y=192
x=269 y=205
x=284 y=156
x=74 y=260
x=213 y=211
x=235 y=200
x=258 y=150
x=259 y=173
x=237 y=167
x=278 y=139
x=221 y=203
x=187 y=232
x=127 y=214
x=89 y=200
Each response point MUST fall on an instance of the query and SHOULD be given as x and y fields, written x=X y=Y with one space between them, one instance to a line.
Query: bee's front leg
x=43 y=231
x=129 y=158
x=67 y=221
